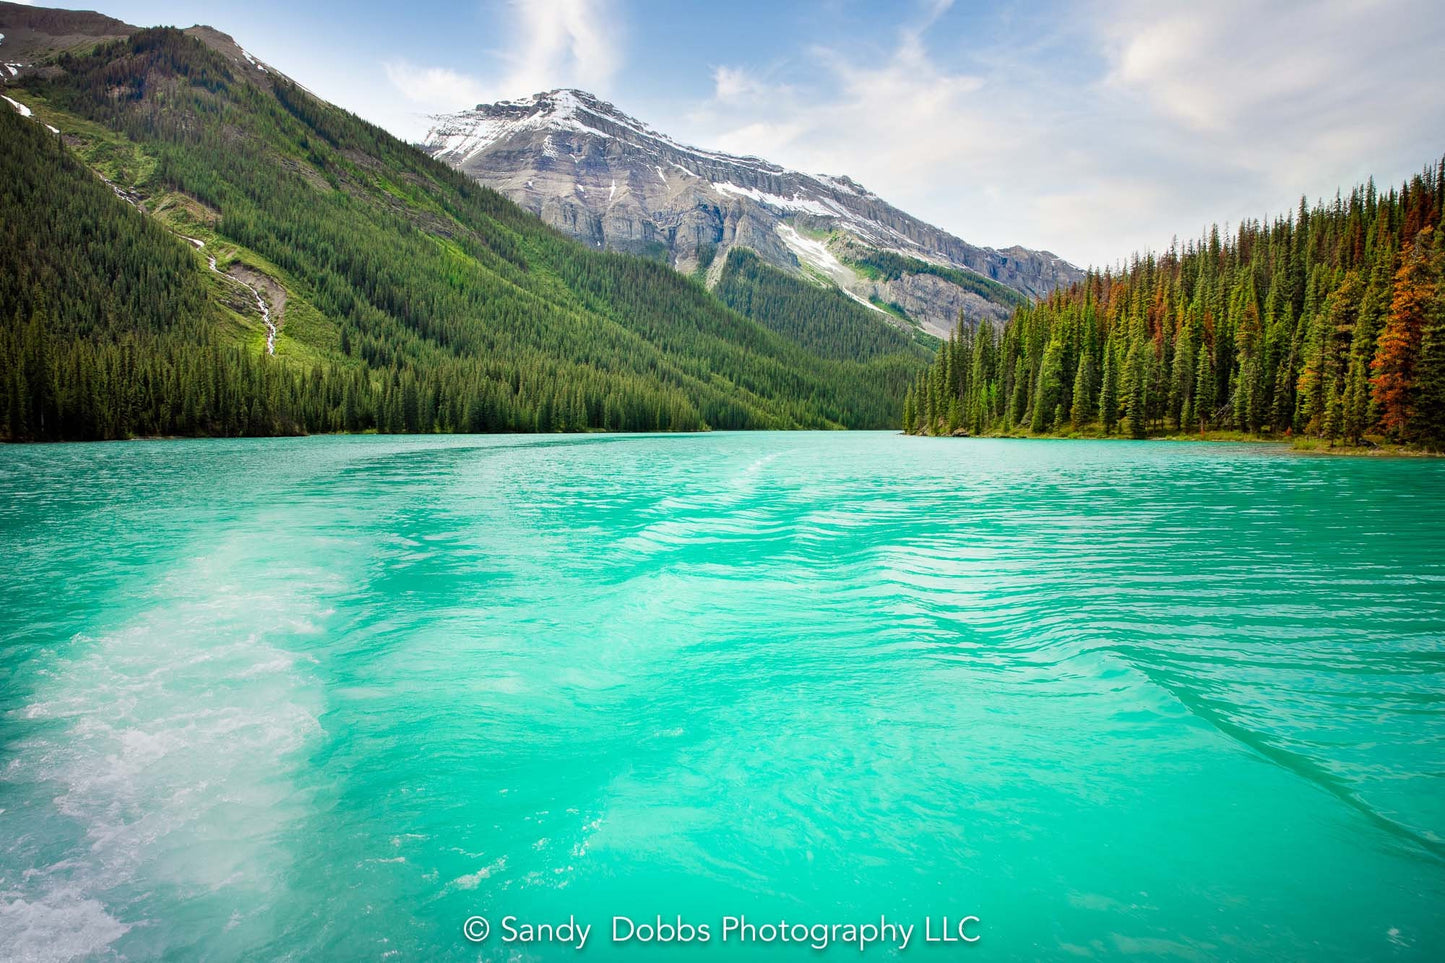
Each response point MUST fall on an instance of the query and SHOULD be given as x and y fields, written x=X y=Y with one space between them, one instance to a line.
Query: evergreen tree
x=1134 y=389
x=1109 y=388
x=1050 y=393
x=1428 y=426
x=1082 y=409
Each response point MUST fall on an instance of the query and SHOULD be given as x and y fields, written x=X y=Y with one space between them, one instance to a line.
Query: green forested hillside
x=1329 y=325
x=824 y=320
x=108 y=329
x=414 y=300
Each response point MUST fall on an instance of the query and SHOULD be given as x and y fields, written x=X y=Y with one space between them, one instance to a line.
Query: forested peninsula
x=1326 y=327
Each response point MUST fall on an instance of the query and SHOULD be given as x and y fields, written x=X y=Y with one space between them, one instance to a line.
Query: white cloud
x=556 y=43
x=1112 y=127
x=569 y=43
x=1260 y=102
x=1259 y=80
x=900 y=104
x=733 y=84
x=1214 y=66
x=434 y=85
x=900 y=124
x=1092 y=130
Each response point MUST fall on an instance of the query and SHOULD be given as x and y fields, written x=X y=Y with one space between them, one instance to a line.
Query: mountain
x=30 y=37
x=191 y=243
x=612 y=181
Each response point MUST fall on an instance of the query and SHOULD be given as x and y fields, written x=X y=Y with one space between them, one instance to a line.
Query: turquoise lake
x=327 y=698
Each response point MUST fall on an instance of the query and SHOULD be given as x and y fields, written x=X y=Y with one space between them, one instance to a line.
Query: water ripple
x=1125 y=700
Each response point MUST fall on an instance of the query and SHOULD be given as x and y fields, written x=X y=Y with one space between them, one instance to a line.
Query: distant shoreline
x=1305 y=446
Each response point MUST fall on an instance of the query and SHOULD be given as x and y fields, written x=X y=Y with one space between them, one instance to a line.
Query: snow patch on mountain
x=459 y=137
x=815 y=254
x=797 y=203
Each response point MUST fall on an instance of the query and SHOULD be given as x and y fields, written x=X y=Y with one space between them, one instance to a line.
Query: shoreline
x=1303 y=446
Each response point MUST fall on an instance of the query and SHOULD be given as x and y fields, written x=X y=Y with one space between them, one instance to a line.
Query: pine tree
x=1204 y=381
x=1399 y=344
x=1428 y=426
x=1019 y=406
x=1109 y=388
x=1050 y=393
x=1134 y=389
x=1083 y=408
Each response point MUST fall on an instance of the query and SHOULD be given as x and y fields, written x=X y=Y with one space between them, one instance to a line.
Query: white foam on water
x=169 y=751
x=65 y=927
x=473 y=880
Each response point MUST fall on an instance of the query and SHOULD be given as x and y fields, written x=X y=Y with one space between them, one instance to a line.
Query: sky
x=1092 y=129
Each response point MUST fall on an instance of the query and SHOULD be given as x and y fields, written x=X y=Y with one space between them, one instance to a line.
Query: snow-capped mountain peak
x=458 y=137
x=612 y=180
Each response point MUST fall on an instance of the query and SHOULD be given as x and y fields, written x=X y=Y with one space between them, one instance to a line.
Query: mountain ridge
x=611 y=180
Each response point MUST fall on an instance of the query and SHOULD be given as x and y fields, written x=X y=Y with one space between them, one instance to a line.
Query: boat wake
x=161 y=767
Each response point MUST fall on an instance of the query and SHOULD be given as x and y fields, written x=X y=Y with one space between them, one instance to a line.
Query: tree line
x=1328 y=324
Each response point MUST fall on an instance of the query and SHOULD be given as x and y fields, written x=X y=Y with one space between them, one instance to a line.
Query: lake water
x=327 y=698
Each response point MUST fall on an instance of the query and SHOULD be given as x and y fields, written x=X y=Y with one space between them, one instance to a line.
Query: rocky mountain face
x=30 y=36
x=612 y=181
